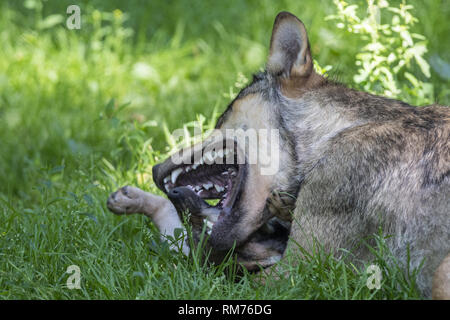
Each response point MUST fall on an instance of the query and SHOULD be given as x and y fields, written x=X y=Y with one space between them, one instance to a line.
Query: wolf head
x=251 y=154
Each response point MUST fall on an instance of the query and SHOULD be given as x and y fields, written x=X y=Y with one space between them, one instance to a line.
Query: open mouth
x=216 y=176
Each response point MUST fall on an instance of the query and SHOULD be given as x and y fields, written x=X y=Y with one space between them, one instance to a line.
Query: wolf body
x=350 y=163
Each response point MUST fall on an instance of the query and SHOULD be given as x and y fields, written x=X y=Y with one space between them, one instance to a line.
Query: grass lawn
x=83 y=112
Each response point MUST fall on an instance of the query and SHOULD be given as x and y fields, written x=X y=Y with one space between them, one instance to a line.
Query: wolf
x=348 y=164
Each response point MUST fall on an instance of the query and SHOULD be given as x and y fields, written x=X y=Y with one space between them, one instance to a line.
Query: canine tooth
x=166 y=179
x=207 y=186
x=175 y=174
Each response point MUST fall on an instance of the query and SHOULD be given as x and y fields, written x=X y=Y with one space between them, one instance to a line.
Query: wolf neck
x=312 y=121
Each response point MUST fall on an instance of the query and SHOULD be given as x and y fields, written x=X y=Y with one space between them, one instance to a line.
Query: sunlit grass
x=83 y=112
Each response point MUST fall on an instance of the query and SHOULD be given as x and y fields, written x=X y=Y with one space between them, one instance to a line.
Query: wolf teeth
x=208 y=186
x=209 y=157
x=209 y=224
x=175 y=174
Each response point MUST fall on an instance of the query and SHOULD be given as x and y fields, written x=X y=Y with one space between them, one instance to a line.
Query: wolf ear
x=289 y=54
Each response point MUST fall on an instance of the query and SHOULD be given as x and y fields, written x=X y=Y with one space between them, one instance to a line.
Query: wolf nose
x=175 y=193
x=183 y=194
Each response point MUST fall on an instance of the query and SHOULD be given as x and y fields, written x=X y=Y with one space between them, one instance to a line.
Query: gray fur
x=351 y=162
x=359 y=161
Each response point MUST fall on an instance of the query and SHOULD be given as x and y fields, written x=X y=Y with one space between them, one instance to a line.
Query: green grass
x=83 y=112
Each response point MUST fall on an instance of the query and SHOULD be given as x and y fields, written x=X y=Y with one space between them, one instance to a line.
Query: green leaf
x=50 y=21
x=109 y=108
x=32 y=4
x=424 y=66
x=412 y=79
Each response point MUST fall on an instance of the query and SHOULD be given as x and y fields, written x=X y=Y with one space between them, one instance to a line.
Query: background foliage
x=83 y=112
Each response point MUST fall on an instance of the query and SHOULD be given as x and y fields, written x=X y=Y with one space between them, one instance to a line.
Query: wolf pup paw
x=126 y=200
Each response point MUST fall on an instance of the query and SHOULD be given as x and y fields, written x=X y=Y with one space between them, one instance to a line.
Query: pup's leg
x=129 y=200
x=441 y=281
